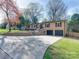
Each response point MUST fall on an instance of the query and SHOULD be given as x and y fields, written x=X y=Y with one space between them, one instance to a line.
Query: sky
x=72 y=5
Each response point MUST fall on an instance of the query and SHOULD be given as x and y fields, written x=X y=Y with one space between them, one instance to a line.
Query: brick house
x=55 y=28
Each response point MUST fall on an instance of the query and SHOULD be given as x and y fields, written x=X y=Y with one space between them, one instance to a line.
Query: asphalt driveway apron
x=25 y=47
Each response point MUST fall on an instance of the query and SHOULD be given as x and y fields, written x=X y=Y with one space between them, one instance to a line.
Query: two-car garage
x=56 y=32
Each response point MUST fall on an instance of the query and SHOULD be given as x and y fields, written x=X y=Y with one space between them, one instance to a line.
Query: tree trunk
x=8 y=22
x=9 y=27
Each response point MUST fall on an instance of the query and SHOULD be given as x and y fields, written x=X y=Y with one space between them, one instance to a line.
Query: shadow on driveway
x=3 y=54
x=23 y=48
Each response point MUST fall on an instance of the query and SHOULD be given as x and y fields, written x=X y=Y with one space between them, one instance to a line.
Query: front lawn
x=3 y=31
x=66 y=48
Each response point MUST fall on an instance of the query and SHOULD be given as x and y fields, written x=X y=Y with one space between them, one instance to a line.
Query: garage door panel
x=49 y=32
x=58 y=32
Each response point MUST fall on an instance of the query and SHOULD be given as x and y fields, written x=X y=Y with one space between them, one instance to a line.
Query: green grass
x=66 y=48
x=3 y=31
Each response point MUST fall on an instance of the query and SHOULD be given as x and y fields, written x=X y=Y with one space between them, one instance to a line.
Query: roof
x=55 y=21
x=50 y=22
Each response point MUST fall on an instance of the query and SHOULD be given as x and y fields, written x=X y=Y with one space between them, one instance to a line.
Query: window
x=47 y=25
x=34 y=26
x=58 y=24
x=41 y=26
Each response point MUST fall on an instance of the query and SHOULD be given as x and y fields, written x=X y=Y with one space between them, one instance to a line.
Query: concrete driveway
x=25 y=47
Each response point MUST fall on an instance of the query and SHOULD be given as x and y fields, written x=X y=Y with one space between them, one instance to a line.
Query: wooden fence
x=73 y=34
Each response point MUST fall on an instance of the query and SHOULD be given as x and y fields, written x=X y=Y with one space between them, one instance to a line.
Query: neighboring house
x=55 y=28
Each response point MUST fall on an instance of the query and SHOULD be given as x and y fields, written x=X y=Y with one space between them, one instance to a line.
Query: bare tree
x=10 y=10
x=33 y=12
x=56 y=9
